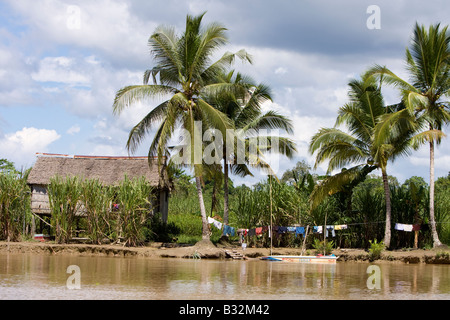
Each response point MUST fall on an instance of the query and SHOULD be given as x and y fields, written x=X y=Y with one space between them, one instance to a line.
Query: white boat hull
x=303 y=259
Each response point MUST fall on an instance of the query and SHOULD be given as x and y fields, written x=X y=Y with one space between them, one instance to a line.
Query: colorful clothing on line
x=403 y=227
x=340 y=227
x=227 y=230
x=317 y=229
x=331 y=228
x=282 y=230
x=407 y=227
x=216 y=223
x=299 y=230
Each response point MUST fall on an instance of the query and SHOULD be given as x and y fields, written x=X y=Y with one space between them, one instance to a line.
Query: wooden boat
x=303 y=259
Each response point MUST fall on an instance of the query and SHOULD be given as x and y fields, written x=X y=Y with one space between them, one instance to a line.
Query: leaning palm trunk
x=205 y=225
x=436 y=241
x=387 y=194
x=225 y=189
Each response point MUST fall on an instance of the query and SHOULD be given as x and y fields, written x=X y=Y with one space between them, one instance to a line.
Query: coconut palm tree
x=359 y=145
x=428 y=65
x=184 y=72
x=243 y=108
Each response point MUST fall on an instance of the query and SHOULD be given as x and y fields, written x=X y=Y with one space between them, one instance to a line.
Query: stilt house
x=108 y=170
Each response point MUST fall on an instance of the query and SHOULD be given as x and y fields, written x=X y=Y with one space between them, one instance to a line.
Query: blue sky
x=61 y=63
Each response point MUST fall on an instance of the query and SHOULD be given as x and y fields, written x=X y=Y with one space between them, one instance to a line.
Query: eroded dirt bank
x=207 y=250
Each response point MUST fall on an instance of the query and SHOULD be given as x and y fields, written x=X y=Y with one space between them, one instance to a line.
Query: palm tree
x=359 y=145
x=243 y=108
x=185 y=72
x=428 y=65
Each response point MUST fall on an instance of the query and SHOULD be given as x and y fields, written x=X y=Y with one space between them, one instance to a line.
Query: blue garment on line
x=331 y=228
x=299 y=230
x=227 y=230
x=282 y=230
x=291 y=229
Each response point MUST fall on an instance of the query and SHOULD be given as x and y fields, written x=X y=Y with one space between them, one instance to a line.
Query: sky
x=62 y=62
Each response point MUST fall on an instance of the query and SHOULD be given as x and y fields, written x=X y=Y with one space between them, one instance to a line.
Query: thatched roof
x=108 y=170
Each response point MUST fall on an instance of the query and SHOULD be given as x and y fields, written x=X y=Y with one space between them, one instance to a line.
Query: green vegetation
x=367 y=136
x=250 y=208
x=375 y=250
x=323 y=247
x=14 y=203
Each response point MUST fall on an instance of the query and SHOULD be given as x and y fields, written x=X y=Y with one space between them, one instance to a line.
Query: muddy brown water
x=38 y=276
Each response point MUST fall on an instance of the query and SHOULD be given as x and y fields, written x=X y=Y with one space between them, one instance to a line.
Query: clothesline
x=300 y=230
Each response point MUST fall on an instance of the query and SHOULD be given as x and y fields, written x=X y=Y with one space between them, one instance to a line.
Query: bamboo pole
x=271 y=230
x=304 y=240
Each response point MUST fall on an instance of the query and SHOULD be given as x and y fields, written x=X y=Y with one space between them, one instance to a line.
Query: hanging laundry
x=211 y=220
x=407 y=227
x=217 y=224
x=340 y=227
x=258 y=231
x=331 y=228
x=416 y=227
x=251 y=232
x=399 y=226
x=282 y=230
x=317 y=229
x=299 y=230
x=227 y=230
x=291 y=229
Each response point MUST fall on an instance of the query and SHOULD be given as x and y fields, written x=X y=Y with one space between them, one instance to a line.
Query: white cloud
x=281 y=70
x=74 y=129
x=59 y=69
x=104 y=26
x=21 y=146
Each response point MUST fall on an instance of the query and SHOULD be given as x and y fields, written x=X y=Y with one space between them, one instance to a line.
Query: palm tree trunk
x=387 y=195
x=214 y=198
x=225 y=191
x=205 y=225
x=434 y=233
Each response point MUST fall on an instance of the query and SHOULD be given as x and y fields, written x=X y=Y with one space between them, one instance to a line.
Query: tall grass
x=100 y=219
x=64 y=198
x=14 y=204
x=115 y=212
x=134 y=205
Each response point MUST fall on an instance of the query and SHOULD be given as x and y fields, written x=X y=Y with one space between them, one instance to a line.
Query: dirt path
x=207 y=250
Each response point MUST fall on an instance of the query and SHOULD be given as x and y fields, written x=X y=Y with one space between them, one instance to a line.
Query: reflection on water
x=30 y=276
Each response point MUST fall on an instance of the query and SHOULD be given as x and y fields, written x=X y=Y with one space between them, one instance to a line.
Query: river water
x=33 y=276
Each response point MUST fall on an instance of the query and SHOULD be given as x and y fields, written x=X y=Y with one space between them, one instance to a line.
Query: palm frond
x=131 y=94
x=270 y=120
x=140 y=130
x=336 y=183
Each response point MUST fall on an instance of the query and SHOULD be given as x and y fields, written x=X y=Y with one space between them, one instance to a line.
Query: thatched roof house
x=108 y=170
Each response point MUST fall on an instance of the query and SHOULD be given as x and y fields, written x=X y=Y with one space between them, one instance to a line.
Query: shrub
x=323 y=247
x=375 y=249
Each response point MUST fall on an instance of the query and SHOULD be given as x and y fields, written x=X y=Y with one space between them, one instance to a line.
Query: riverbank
x=207 y=250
